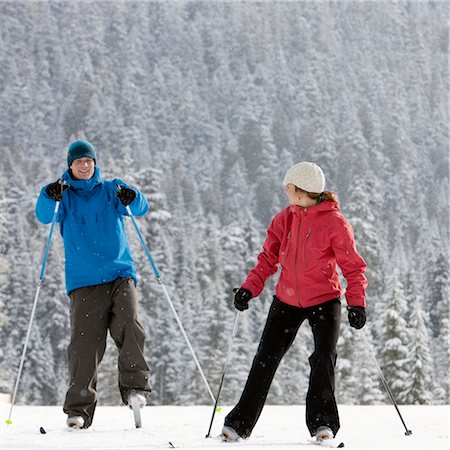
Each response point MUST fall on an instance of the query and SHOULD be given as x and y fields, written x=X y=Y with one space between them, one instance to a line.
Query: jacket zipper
x=305 y=260
x=288 y=245
x=297 y=290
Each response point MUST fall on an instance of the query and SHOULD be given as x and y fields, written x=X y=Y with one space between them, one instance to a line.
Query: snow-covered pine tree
x=157 y=317
x=175 y=79
x=232 y=187
x=323 y=152
x=4 y=385
x=394 y=338
x=52 y=315
x=419 y=384
x=214 y=321
x=266 y=183
x=237 y=240
x=442 y=364
x=357 y=380
x=368 y=390
x=189 y=293
x=37 y=382
x=437 y=292
x=437 y=304
x=359 y=208
x=4 y=246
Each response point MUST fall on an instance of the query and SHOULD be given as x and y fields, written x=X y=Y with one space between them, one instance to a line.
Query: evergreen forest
x=203 y=106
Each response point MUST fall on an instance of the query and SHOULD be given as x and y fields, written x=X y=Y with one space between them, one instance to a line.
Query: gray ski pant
x=93 y=311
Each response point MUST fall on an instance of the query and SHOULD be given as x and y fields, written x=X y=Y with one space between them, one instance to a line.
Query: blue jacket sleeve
x=139 y=206
x=45 y=207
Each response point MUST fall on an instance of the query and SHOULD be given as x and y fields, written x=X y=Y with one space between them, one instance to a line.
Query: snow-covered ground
x=280 y=427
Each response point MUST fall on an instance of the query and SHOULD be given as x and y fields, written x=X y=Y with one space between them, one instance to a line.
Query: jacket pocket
x=328 y=271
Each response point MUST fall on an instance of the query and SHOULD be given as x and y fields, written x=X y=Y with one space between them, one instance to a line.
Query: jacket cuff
x=356 y=302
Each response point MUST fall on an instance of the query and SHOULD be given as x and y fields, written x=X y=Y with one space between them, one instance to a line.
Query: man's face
x=83 y=168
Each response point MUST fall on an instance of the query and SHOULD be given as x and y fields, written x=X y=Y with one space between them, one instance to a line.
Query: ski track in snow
x=280 y=427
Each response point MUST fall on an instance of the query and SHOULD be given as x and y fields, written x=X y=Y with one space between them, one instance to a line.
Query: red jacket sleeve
x=267 y=263
x=351 y=263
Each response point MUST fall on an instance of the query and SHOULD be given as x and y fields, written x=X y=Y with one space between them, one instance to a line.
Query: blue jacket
x=91 y=222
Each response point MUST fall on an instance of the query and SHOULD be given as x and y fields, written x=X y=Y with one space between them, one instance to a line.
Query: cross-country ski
x=328 y=443
x=245 y=445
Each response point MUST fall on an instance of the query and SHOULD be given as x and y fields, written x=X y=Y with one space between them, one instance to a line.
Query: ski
x=135 y=406
x=327 y=443
x=66 y=429
x=175 y=444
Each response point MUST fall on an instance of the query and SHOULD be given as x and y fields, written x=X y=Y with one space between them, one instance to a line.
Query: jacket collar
x=82 y=185
x=325 y=206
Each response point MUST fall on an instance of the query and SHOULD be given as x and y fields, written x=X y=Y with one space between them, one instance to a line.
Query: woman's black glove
x=126 y=195
x=56 y=189
x=356 y=316
x=241 y=298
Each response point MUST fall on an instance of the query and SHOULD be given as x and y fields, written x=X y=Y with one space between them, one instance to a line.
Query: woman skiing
x=307 y=239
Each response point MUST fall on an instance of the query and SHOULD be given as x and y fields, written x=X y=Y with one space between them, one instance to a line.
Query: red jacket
x=307 y=243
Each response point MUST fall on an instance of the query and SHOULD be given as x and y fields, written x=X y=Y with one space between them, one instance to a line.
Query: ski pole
x=33 y=310
x=407 y=432
x=233 y=336
x=172 y=307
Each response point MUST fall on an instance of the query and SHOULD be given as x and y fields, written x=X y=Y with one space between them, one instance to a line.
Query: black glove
x=241 y=298
x=126 y=195
x=56 y=189
x=356 y=316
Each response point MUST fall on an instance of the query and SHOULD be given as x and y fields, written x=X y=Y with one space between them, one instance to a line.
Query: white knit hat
x=307 y=176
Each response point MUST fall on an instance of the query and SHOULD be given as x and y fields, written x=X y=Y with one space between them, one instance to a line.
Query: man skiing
x=100 y=279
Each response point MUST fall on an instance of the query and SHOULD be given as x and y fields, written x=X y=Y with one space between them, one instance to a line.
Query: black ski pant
x=280 y=330
x=93 y=311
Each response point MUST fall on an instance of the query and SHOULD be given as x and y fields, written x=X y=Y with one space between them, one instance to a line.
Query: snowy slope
x=280 y=427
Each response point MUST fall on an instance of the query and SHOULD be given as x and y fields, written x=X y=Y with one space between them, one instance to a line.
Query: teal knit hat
x=80 y=149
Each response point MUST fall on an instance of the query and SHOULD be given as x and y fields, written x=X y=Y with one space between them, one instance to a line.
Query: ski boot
x=75 y=422
x=323 y=433
x=229 y=434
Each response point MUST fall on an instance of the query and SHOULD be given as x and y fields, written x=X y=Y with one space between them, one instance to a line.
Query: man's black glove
x=126 y=195
x=356 y=316
x=56 y=189
x=241 y=298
